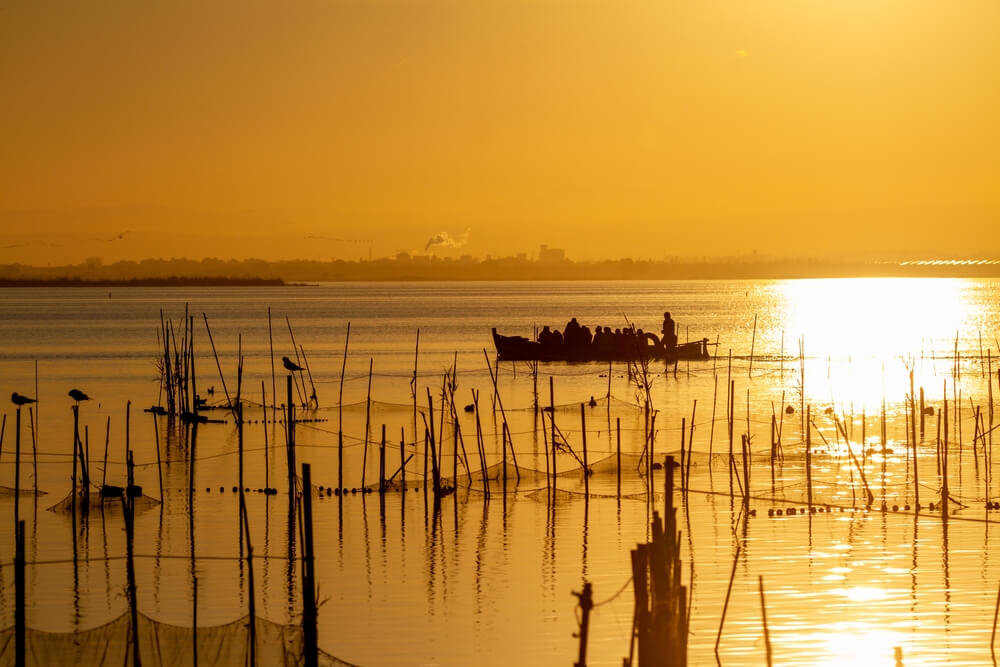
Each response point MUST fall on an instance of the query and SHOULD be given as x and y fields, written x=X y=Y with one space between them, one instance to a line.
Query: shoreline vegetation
x=403 y=267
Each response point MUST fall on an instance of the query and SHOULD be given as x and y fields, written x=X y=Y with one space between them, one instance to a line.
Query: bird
x=78 y=395
x=291 y=365
x=19 y=400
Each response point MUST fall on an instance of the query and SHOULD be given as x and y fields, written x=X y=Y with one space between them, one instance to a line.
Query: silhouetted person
x=291 y=365
x=669 y=332
x=593 y=402
x=19 y=400
x=571 y=333
x=78 y=395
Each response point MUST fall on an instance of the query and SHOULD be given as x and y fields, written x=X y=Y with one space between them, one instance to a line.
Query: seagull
x=19 y=400
x=78 y=395
x=291 y=365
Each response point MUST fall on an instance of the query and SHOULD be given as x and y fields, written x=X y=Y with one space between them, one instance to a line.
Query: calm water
x=488 y=581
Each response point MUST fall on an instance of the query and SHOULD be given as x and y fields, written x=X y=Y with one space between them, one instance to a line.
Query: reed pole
x=690 y=447
x=552 y=417
x=267 y=467
x=763 y=616
x=20 y=628
x=381 y=464
x=309 y=611
x=129 y=502
x=402 y=460
x=503 y=414
x=913 y=438
x=290 y=442
x=17 y=467
x=274 y=386
x=618 y=452
x=586 y=467
x=944 y=458
x=159 y=458
x=809 y=484
x=73 y=478
x=368 y=415
x=251 y=593
x=340 y=416
x=218 y=365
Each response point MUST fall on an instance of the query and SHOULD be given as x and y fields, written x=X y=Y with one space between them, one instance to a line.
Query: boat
x=633 y=346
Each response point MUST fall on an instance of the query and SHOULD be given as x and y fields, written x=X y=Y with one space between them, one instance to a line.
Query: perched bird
x=291 y=365
x=78 y=395
x=19 y=400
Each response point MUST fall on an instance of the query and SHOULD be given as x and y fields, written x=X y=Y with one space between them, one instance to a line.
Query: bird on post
x=291 y=365
x=19 y=400
x=78 y=395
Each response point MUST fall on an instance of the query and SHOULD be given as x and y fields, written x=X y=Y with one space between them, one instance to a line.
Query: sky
x=323 y=129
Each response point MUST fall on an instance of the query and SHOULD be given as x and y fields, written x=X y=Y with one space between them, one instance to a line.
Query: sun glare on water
x=860 y=335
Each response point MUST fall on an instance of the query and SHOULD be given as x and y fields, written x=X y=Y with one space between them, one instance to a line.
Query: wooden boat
x=633 y=348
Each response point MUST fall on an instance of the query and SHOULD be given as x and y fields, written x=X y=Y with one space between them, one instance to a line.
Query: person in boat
x=571 y=332
x=669 y=332
x=597 y=341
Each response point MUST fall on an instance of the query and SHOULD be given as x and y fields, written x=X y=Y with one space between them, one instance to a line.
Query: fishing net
x=164 y=645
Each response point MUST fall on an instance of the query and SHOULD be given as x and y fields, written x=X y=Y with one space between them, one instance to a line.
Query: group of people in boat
x=577 y=341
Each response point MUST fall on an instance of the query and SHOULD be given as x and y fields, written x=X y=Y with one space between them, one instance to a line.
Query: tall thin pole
x=19 y=597
x=586 y=467
x=552 y=416
x=309 y=630
x=340 y=416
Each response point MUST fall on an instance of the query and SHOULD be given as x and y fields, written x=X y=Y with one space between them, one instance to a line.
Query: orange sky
x=323 y=128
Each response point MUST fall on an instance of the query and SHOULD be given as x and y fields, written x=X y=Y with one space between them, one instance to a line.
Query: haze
x=325 y=129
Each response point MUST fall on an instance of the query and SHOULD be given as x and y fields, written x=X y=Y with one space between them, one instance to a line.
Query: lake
x=489 y=580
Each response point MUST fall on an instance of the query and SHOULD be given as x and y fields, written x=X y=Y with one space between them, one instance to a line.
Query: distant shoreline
x=144 y=282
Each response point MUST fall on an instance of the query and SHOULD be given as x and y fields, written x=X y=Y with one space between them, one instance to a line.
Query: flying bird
x=19 y=400
x=291 y=365
x=78 y=395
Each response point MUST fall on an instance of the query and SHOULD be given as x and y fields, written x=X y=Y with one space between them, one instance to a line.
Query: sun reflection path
x=860 y=334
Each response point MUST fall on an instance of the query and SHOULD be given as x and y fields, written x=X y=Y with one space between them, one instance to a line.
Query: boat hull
x=649 y=347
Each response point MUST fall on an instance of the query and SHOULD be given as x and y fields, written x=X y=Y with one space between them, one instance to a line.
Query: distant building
x=547 y=254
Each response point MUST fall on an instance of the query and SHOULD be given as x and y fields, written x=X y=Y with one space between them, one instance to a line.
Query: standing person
x=669 y=332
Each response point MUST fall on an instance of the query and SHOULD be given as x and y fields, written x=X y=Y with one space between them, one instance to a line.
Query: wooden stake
x=309 y=611
x=129 y=505
x=19 y=596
